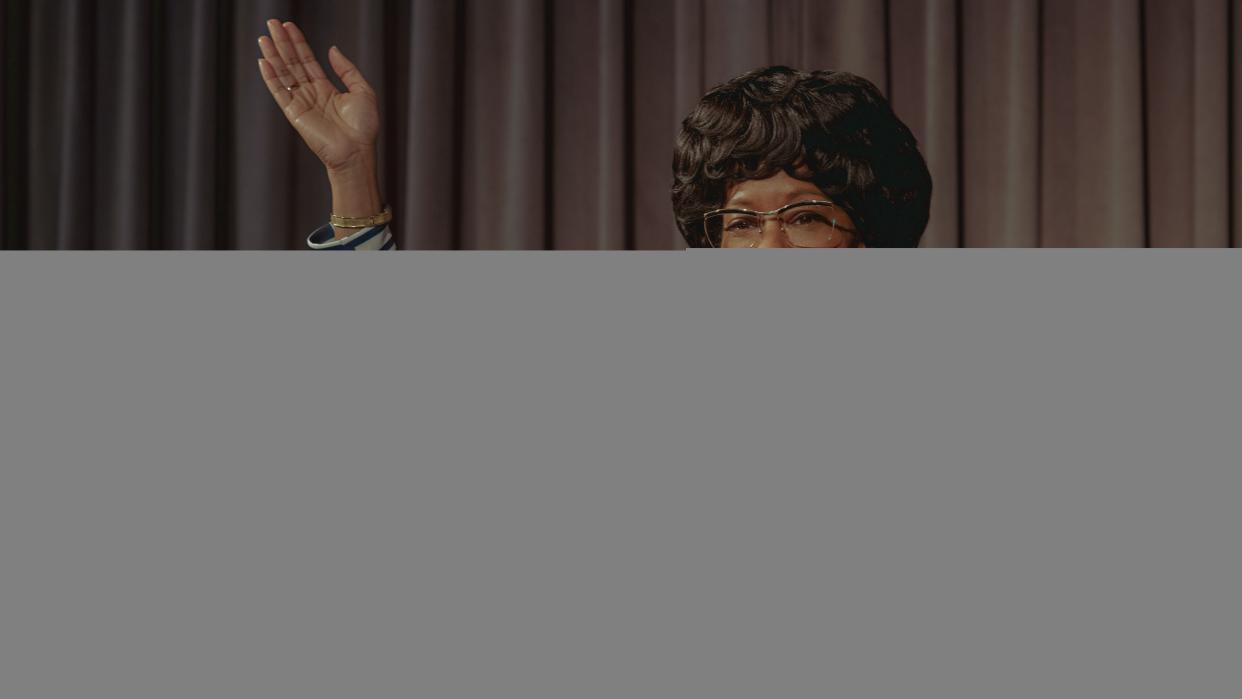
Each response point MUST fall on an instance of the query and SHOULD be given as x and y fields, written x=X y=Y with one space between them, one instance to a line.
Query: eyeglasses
x=806 y=224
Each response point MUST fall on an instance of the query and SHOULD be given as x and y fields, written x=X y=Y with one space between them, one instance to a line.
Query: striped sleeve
x=367 y=239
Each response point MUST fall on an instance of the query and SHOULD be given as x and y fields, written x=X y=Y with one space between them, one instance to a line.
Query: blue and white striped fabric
x=368 y=239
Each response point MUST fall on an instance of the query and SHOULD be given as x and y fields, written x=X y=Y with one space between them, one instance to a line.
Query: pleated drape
x=549 y=124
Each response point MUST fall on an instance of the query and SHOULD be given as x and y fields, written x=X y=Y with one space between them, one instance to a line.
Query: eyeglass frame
x=763 y=216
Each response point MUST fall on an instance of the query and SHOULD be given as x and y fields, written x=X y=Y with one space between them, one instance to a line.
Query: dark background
x=532 y=124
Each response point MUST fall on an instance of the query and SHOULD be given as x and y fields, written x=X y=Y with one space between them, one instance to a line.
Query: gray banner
x=908 y=474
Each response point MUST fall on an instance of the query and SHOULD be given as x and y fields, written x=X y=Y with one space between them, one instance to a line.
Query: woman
x=776 y=158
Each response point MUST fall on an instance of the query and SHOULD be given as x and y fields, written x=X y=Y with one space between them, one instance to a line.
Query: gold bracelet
x=383 y=218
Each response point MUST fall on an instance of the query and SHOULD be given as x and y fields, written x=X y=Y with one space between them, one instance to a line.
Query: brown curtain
x=531 y=124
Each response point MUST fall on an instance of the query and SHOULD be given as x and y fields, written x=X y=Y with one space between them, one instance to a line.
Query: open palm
x=340 y=127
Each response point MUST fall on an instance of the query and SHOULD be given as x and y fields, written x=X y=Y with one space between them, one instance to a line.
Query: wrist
x=355 y=190
x=359 y=170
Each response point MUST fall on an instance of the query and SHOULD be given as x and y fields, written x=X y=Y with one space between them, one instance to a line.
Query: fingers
x=288 y=54
x=274 y=85
x=305 y=55
x=349 y=73
x=276 y=63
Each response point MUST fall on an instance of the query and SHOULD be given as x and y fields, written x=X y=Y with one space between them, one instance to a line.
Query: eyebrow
x=743 y=202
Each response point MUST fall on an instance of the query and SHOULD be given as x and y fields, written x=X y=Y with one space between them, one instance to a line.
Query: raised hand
x=340 y=127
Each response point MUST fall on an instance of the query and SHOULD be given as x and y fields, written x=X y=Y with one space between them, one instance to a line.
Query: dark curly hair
x=837 y=125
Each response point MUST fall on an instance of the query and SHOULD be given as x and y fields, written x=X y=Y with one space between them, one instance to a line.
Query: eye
x=740 y=224
x=807 y=218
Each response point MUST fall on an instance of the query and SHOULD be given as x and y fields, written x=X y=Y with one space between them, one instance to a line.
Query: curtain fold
x=1187 y=73
x=1092 y=188
x=1235 y=122
x=188 y=119
x=588 y=126
x=925 y=91
x=426 y=167
x=535 y=124
x=1000 y=123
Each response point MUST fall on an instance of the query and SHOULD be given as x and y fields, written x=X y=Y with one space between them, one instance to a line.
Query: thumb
x=348 y=72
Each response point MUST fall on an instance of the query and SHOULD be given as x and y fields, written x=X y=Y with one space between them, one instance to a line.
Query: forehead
x=773 y=192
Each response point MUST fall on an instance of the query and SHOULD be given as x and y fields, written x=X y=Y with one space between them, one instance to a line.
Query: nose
x=773 y=234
